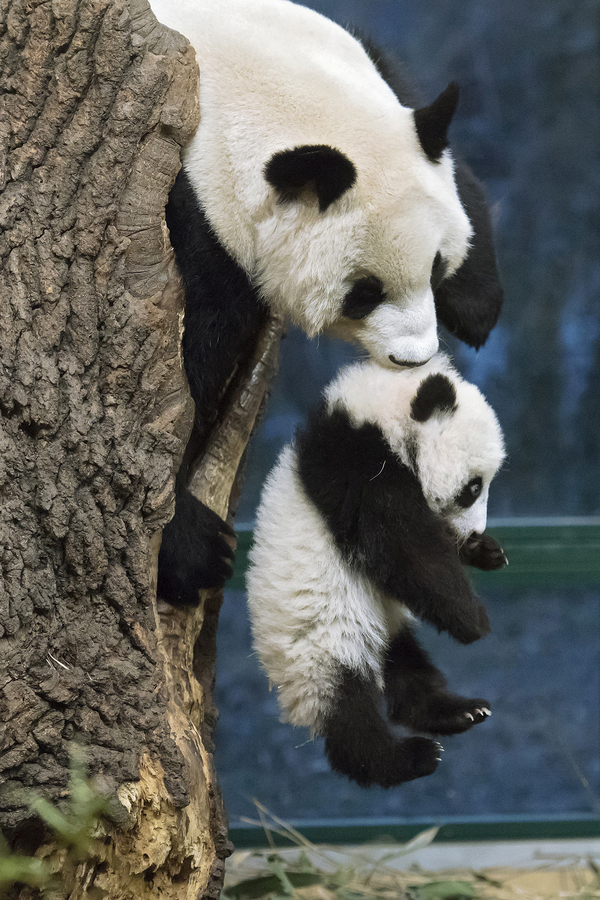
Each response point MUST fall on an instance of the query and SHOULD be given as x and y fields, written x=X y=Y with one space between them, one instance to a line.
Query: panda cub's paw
x=482 y=552
x=417 y=757
x=451 y=714
x=196 y=553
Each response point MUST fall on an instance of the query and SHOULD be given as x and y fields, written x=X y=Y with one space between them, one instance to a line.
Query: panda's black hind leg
x=196 y=552
x=417 y=695
x=359 y=744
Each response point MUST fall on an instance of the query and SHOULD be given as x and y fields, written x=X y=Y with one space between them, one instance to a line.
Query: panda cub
x=363 y=528
x=319 y=188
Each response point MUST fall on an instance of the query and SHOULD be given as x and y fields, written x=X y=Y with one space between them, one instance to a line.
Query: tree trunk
x=95 y=413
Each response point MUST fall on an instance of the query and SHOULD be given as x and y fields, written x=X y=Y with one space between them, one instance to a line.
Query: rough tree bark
x=96 y=99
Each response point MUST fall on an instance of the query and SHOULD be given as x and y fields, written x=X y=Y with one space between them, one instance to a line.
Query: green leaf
x=23 y=869
x=54 y=818
x=444 y=890
x=276 y=866
x=251 y=888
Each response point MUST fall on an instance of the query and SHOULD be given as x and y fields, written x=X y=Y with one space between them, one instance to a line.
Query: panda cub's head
x=440 y=426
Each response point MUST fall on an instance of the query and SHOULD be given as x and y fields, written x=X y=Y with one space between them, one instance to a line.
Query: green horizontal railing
x=541 y=552
x=451 y=830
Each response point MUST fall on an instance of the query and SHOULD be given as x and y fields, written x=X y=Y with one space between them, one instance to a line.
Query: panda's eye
x=364 y=296
x=471 y=491
x=438 y=272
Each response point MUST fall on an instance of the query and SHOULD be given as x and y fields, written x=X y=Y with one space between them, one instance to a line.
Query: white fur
x=452 y=448
x=276 y=75
x=310 y=612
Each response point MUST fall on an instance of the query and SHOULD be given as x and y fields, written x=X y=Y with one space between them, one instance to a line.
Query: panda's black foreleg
x=359 y=744
x=223 y=316
x=417 y=694
x=196 y=552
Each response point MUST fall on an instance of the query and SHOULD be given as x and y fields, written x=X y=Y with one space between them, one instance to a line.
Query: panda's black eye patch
x=364 y=296
x=470 y=492
x=438 y=271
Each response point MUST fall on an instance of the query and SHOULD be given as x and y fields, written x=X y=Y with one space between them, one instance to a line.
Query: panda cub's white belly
x=310 y=612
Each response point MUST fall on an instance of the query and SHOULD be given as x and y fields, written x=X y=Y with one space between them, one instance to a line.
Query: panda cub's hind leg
x=359 y=744
x=417 y=695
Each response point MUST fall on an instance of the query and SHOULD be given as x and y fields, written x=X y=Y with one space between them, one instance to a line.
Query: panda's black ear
x=469 y=302
x=323 y=170
x=435 y=394
x=432 y=122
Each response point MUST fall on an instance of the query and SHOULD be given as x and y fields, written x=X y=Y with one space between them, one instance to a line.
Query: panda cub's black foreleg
x=416 y=692
x=482 y=551
x=359 y=744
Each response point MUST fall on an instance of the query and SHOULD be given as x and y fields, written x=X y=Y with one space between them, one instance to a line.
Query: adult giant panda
x=363 y=526
x=312 y=187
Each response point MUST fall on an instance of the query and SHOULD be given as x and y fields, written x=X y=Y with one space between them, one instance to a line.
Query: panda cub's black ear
x=436 y=394
x=318 y=168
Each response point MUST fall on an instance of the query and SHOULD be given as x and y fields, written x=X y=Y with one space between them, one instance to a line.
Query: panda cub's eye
x=438 y=272
x=470 y=492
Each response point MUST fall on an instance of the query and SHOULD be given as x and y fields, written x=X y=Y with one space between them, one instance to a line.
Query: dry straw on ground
x=305 y=871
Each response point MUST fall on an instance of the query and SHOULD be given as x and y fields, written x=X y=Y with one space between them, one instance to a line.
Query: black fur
x=482 y=552
x=198 y=552
x=319 y=168
x=417 y=695
x=432 y=122
x=223 y=316
x=469 y=302
x=365 y=295
x=438 y=271
x=359 y=744
x=380 y=521
x=436 y=393
x=223 y=313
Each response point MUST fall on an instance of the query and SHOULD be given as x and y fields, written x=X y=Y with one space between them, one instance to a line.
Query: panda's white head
x=440 y=426
x=365 y=246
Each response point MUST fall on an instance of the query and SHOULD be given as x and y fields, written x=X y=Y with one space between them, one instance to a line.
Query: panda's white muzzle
x=401 y=334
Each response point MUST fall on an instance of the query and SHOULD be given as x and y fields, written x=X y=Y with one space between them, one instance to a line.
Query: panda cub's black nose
x=406 y=363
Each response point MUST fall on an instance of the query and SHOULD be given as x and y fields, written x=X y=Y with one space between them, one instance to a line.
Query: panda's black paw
x=482 y=552
x=196 y=553
x=389 y=763
x=419 y=757
x=470 y=625
x=451 y=714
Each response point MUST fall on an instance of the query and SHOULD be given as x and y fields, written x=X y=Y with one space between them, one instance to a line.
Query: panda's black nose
x=406 y=363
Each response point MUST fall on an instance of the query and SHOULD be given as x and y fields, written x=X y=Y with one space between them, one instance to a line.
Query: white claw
x=439 y=758
x=469 y=716
x=486 y=711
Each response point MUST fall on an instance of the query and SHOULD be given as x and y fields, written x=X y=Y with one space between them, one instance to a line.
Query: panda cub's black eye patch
x=438 y=271
x=470 y=492
x=365 y=295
